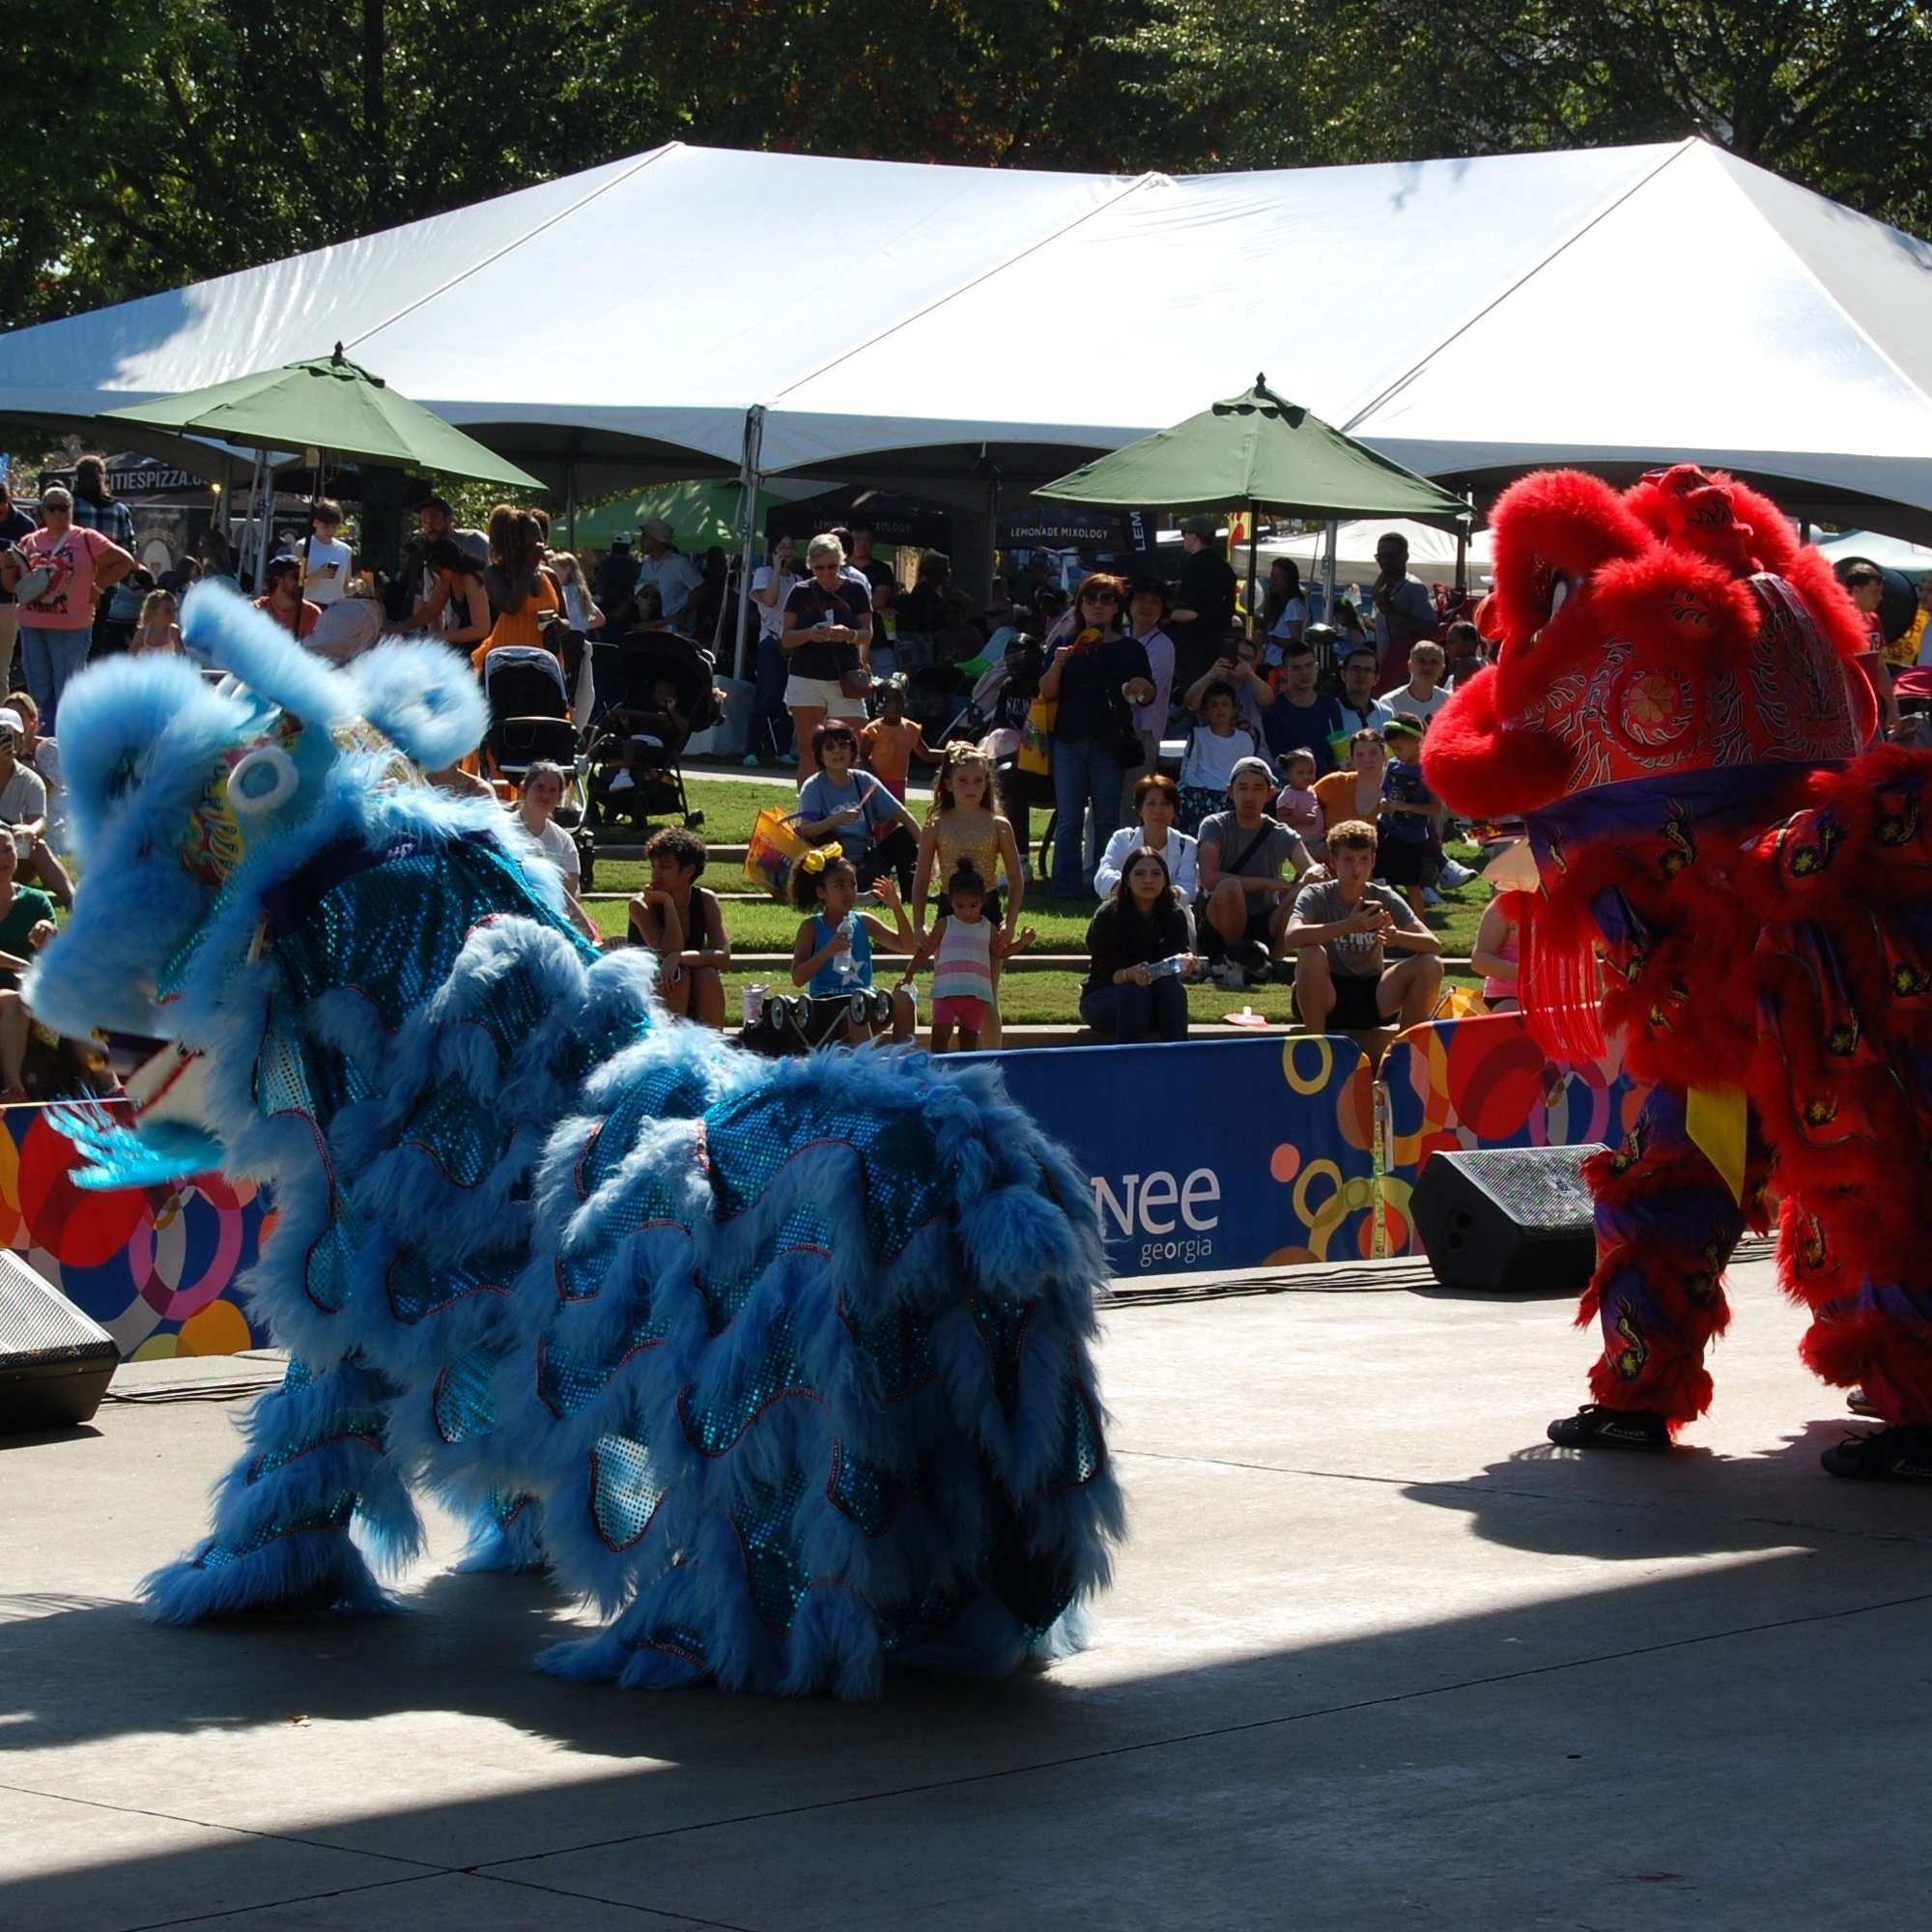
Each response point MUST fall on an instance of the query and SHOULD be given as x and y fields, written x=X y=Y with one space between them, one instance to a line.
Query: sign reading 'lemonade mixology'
x=1213 y=1153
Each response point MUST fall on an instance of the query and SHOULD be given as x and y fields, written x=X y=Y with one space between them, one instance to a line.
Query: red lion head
x=1675 y=627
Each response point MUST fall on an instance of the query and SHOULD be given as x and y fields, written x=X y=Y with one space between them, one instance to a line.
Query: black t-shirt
x=875 y=572
x=1091 y=680
x=1207 y=585
x=616 y=579
x=844 y=603
x=1117 y=937
x=15 y=526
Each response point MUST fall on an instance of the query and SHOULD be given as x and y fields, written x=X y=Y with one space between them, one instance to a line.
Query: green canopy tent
x=1257 y=452
x=701 y=513
x=328 y=404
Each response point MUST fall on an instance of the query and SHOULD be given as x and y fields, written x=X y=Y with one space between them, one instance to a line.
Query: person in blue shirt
x=1408 y=815
x=1301 y=715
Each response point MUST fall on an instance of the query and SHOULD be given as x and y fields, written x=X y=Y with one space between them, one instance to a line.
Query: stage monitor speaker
x=54 y=1362
x=1507 y=1219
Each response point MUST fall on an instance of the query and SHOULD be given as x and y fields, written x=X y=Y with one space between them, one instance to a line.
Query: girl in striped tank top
x=964 y=947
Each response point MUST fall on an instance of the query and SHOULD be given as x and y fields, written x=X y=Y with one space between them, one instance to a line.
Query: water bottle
x=754 y=1005
x=847 y=966
x=1174 y=964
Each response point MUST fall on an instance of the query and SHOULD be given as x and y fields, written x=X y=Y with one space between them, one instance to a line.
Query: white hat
x=660 y=531
x=11 y=721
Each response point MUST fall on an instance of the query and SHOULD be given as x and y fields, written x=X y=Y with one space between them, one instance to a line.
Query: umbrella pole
x=1328 y=579
x=1254 y=537
x=748 y=509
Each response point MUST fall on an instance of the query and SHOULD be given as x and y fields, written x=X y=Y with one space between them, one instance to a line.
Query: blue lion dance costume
x=786 y=1367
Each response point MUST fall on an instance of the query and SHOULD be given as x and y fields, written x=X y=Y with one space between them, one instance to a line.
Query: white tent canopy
x=1617 y=307
x=1432 y=552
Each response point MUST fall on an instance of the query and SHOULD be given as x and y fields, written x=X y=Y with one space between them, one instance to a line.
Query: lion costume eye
x=266 y=778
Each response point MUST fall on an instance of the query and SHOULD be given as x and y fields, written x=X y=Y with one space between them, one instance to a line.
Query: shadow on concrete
x=73 y=1432
x=1467 y=1765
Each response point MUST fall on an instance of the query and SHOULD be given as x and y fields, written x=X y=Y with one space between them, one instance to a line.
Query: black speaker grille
x=40 y=1323
x=1538 y=1187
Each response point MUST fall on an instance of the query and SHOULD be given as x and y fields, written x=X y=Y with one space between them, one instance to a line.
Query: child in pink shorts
x=962 y=946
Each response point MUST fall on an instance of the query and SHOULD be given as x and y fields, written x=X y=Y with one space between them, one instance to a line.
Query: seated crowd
x=1297 y=843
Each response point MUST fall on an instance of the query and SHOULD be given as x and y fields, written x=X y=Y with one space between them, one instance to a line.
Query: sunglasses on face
x=1100 y=597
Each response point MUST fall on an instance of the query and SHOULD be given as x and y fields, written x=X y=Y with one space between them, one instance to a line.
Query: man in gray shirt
x=1340 y=928
x=1244 y=900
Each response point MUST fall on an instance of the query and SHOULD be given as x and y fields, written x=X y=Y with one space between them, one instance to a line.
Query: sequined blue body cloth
x=786 y=1366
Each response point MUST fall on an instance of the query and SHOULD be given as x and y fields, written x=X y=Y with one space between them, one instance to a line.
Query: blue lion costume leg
x=786 y=1367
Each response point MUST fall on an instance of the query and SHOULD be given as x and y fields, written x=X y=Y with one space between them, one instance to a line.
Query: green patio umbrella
x=328 y=403
x=1257 y=452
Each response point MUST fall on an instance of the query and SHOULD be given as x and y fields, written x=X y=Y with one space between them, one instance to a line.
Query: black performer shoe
x=1595 y=1427
x=1901 y=1454
x=1861 y=1403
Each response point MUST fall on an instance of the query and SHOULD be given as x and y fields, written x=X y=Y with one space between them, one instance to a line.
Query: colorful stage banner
x=1484 y=1083
x=1213 y=1153
x=156 y=1266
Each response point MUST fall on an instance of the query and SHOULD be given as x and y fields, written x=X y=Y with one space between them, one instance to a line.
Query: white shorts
x=821 y=694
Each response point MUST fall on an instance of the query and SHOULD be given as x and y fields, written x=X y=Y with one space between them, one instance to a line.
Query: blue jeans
x=49 y=658
x=1085 y=786
x=1132 y=1013
x=770 y=726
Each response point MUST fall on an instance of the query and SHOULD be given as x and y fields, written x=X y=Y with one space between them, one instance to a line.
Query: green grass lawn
x=730 y=810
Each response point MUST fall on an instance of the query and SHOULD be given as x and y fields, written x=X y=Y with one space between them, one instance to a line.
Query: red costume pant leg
x=1666 y=1227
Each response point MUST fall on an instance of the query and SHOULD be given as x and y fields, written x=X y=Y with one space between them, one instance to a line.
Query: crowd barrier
x=1213 y=1153
x=156 y=1266
x=1243 y=1152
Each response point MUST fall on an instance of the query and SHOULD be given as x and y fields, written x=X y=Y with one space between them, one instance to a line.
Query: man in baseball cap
x=676 y=577
x=1246 y=900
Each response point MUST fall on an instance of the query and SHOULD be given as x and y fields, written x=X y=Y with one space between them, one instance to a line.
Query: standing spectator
x=96 y=507
x=1156 y=807
x=616 y=574
x=678 y=580
x=1203 y=604
x=1239 y=667
x=217 y=557
x=1147 y=613
x=24 y=810
x=326 y=560
x=457 y=609
x=1091 y=678
x=1244 y=898
x=1402 y=609
x=683 y=924
x=14 y=524
x=883 y=654
x=962 y=828
x=919 y=608
x=283 y=600
x=1463 y=650
x=1425 y=694
x=520 y=591
x=966 y=949
x=1361 y=708
x=1866 y=583
x=157 y=629
x=956 y=639
x=1284 y=607
x=1338 y=932
x=26 y=924
x=120 y=614
x=1140 y=929
x=1406 y=830
x=875 y=570
x=872 y=828
x=828 y=618
x=1302 y=717
x=536 y=818
x=437 y=523
x=57 y=626
x=892 y=741
x=770 y=726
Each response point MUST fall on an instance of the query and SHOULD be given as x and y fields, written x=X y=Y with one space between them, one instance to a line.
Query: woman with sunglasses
x=828 y=623
x=1095 y=675
x=71 y=566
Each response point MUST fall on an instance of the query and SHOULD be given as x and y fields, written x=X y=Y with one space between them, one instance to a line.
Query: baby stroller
x=663 y=699
x=530 y=718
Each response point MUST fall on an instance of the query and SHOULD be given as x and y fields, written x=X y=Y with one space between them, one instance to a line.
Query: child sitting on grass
x=832 y=956
x=964 y=945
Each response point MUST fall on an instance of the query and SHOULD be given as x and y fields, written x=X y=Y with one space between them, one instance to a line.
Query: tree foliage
x=177 y=139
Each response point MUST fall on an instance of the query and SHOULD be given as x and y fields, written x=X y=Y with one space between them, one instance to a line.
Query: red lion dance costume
x=1741 y=890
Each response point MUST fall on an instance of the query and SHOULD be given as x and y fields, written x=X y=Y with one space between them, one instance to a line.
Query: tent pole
x=748 y=509
x=570 y=504
x=1328 y=578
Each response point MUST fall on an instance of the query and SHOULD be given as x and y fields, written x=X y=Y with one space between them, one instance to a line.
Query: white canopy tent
x=970 y=332
x=1432 y=552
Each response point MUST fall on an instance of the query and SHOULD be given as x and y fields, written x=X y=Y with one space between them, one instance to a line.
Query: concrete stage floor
x=1376 y=1656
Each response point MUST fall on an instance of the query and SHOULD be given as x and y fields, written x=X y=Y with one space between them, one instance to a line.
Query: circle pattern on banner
x=184 y=1257
x=77 y=1226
